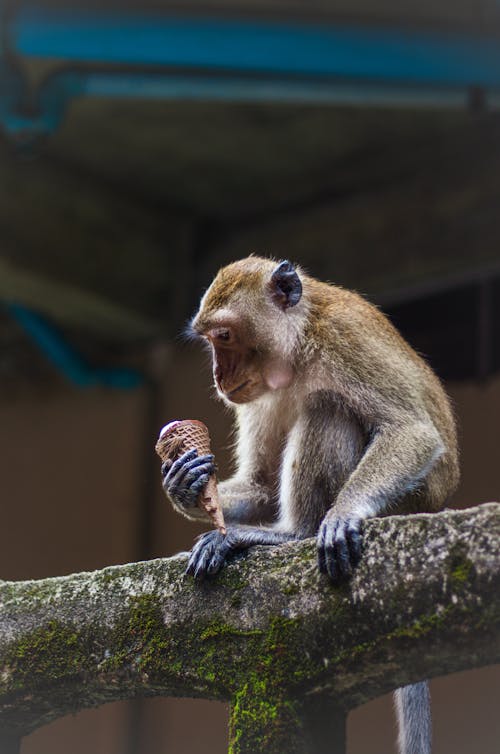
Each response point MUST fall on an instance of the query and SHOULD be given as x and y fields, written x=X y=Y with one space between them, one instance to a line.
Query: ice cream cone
x=177 y=438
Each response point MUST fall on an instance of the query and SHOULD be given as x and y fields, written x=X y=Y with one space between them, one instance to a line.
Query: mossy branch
x=269 y=634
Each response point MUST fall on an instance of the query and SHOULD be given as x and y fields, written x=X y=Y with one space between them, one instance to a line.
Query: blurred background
x=144 y=144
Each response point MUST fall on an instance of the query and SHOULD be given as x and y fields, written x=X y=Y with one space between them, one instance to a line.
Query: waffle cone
x=176 y=439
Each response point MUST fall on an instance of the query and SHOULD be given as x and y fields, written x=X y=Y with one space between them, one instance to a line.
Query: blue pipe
x=65 y=358
x=125 y=84
x=241 y=61
x=55 y=96
x=283 y=48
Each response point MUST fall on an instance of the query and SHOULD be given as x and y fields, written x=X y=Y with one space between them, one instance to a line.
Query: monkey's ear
x=285 y=285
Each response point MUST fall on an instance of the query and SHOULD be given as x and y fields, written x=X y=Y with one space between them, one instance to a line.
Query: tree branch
x=269 y=634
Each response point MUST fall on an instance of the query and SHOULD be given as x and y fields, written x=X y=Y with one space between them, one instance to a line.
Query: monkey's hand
x=339 y=546
x=184 y=479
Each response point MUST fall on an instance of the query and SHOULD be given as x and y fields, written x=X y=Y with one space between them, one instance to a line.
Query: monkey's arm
x=395 y=463
x=249 y=496
x=246 y=502
x=243 y=501
x=323 y=447
x=397 y=460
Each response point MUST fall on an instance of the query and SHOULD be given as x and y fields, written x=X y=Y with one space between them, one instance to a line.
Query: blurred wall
x=76 y=469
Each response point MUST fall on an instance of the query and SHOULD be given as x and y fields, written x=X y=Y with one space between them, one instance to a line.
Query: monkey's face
x=243 y=373
x=237 y=366
x=245 y=317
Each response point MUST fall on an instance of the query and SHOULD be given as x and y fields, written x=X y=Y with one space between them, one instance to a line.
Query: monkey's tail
x=413 y=710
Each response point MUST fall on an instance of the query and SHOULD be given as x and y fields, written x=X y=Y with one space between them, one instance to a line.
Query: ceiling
x=112 y=224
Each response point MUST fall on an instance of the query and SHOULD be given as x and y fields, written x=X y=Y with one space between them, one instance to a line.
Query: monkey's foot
x=213 y=549
x=209 y=554
x=339 y=547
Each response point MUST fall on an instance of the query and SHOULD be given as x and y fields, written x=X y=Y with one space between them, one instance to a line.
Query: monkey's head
x=252 y=316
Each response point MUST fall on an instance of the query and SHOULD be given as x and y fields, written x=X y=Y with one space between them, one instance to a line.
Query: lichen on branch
x=267 y=633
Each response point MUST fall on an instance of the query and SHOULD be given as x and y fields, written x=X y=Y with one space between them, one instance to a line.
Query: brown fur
x=339 y=344
x=338 y=419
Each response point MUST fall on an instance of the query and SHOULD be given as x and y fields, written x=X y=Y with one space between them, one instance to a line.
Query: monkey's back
x=381 y=375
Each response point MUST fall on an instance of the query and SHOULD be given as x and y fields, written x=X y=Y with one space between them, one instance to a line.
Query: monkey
x=338 y=420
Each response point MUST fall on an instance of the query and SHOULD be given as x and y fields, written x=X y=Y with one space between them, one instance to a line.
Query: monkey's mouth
x=237 y=389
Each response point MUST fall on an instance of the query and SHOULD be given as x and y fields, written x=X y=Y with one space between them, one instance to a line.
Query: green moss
x=221 y=630
x=291 y=588
x=461 y=572
x=44 y=657
x=459 y=565
x=265 y=715
x=262 y=719
x=236 y=601
x=140 y=641
x=236 y=579
x=109 y=576
x=142 y=645
x=423 y=625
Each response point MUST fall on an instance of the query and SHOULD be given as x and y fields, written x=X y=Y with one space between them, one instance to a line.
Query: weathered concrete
x=269 y=634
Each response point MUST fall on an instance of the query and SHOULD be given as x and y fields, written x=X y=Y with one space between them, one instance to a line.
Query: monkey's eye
x=221 y=334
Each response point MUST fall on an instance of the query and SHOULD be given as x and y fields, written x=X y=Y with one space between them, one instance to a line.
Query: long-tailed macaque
x=338 y=420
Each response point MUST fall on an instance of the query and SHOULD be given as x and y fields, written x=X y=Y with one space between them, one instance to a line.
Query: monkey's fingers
x=196 y=557
x=208 y=555
x=339 y=548
x=327 y=554
x=325 y=547
x=165 y=467
x=354 y=540
x=219 y=557
x=199 y=568
x=199 y=483
x=183 y=467
x=342 y=560
x=184 y=483
x=194 y=473
x=348 y=547
x=179 y=462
